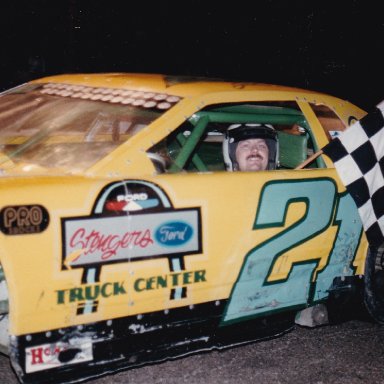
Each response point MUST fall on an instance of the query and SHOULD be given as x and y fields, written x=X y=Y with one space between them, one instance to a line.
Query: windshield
x=71 y=126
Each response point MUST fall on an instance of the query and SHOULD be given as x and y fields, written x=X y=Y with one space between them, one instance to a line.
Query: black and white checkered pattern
x=358 y=155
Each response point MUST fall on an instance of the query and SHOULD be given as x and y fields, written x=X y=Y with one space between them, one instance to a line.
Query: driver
x=250 y=147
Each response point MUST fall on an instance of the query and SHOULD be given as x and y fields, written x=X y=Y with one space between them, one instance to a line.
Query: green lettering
x=60 y=296
x=161 y=282
x=118 y=289
x=150 y=283
x=104 y=292
x=92 y=292
x=187 y=277
x=200 y=276
x=175 y=279
x=136 y=285
x=76 y=294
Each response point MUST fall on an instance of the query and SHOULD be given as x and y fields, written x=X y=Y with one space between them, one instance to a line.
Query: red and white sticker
x=48 y=356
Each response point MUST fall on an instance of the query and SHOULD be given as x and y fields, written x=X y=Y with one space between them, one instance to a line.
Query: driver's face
x=252 y=155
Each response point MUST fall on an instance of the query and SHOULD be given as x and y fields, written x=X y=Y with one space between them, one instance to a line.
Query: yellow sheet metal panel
x=65 y=267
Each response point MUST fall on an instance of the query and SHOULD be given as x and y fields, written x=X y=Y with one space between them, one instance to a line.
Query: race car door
x=270 y=240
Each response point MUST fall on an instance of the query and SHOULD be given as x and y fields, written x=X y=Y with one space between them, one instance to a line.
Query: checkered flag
x=358 y=155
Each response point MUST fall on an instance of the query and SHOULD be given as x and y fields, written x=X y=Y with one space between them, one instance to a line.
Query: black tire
x=374 y=283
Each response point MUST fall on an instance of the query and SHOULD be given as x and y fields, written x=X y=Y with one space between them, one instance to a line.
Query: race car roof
x=183 y=86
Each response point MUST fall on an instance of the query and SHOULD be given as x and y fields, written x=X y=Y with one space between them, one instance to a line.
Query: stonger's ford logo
x=174 y=233
x=95 y=240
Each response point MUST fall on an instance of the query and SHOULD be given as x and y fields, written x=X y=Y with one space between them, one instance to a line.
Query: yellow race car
x=128 y=236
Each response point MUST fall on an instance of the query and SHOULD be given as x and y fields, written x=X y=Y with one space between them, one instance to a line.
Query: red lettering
x=146 y=239
x=57 y=350
x=108 y=245
x=37 y=356
x=77 y=244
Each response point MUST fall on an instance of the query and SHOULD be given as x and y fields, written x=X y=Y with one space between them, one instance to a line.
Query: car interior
x=196 y=146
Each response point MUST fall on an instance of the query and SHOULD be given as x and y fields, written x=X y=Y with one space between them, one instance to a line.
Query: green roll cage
x=292 y=147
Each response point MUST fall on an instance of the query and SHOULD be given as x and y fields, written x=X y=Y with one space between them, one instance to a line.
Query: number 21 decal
x=273 y=277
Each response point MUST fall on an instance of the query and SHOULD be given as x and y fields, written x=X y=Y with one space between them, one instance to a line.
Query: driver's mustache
x=257 y=155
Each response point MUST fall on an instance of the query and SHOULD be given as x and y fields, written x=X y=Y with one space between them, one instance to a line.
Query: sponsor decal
x=131 y=220
x=23 y=219
x=172 y=280
x=48 y=356
x=96 y=241
x=128 y=202
x=93 y=292
x=90 y=292
x=174 y=233
x=130 y=196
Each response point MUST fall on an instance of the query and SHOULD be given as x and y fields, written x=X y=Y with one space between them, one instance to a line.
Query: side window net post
x=190 y=144
x=319 y=161
x=196 y=160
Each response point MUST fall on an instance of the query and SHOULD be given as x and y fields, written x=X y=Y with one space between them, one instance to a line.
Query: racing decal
x=90 y=292
x=122 y=197
x=94 y=292
x=48 y=356
x=171 y=280
x=131 y=220
x=261 y=287
x=347 y=240
x=23 y=219
x=95 y=241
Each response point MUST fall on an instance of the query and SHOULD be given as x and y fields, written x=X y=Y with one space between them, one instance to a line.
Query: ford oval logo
x=174 y=233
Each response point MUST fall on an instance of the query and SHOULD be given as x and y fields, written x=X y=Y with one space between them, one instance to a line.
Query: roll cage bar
x=235 y=114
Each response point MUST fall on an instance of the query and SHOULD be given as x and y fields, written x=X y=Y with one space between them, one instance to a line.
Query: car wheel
x=374 y=283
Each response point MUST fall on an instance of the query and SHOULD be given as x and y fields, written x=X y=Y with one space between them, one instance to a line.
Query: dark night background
x=330 y=46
